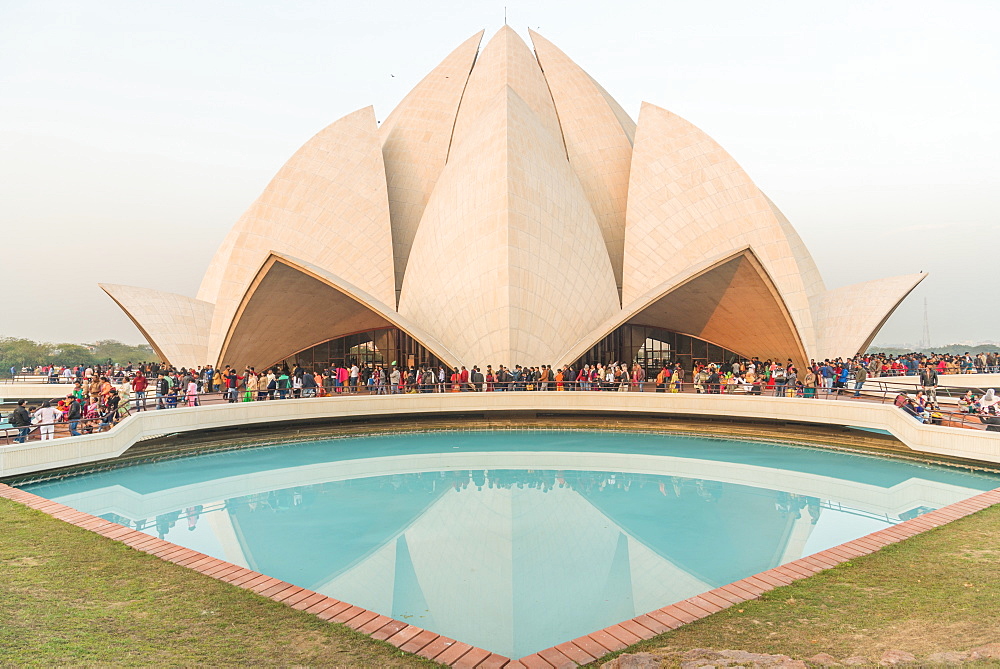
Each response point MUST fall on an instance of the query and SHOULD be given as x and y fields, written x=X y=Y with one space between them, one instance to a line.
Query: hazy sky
x=133 y=135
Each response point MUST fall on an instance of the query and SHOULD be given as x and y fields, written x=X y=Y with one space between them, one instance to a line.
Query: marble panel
x=415 y=141
x=175 y=326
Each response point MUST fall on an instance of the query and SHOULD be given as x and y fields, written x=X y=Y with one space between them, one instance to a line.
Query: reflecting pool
x=515 y=541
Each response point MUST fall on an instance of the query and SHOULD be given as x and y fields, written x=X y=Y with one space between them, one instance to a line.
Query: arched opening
x=653 y=347
x=372 y=348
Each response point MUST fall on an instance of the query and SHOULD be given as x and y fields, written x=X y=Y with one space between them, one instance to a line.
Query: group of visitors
x=178 y=387
x=104 y=394
x=184 y=387
x=985 y=407
x=73 y=373
x=753 y=377
x=880 y=365
x=85 y=410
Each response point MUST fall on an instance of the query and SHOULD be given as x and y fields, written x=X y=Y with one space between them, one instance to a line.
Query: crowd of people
x=880 y=365
x=74 y=373
x=983 y=406
x=91 y=406
x=876 y=365
x=173 y=388
x=103 y=395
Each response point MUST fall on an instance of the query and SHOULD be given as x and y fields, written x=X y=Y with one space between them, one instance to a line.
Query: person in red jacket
x=139 y=385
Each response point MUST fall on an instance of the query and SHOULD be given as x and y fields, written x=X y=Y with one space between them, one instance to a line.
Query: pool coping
x=448 y=651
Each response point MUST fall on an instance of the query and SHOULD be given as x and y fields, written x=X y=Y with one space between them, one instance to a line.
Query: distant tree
x=18 y=353
x=69 y=354
x=15 y=352
x=121 y=353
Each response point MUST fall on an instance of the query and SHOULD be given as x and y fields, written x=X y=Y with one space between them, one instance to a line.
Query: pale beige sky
x=133 y=135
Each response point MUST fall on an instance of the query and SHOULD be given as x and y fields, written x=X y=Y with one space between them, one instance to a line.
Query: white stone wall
x=928 y=439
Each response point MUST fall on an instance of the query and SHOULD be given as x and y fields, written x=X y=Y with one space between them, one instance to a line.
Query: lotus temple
x=509 y=211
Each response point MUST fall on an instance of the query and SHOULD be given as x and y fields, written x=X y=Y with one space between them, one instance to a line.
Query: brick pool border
x=445 y=650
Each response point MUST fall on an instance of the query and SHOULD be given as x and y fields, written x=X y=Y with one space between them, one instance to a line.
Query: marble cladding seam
x=598 y=147
x=415 y=141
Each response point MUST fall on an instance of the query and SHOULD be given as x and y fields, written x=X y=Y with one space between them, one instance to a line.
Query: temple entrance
x=653 y=347
x=386 y=346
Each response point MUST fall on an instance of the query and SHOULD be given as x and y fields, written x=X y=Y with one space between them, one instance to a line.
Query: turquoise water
x=515 y=541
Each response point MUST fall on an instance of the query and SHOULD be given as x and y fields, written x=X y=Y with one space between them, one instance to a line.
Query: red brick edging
x=448 y=651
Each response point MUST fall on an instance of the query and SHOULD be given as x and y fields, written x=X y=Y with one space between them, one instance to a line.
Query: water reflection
x=520 y=555
x=549 y=554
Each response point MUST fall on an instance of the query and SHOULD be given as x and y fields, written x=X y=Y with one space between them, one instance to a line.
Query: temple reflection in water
x=521 y=555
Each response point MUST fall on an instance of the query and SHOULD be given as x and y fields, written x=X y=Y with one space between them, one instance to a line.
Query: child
x=91 y=414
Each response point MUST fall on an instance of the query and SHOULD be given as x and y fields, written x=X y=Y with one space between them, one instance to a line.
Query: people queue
x=96 y=402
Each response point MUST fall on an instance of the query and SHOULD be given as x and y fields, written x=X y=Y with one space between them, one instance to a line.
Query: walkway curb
x=909 y=436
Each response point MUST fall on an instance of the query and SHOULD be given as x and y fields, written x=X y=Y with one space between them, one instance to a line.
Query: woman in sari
x=253 y=386
x=105 y=390
x=809 y=383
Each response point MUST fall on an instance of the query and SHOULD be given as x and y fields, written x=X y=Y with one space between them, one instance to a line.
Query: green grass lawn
x=68 y=596
x=936 y=592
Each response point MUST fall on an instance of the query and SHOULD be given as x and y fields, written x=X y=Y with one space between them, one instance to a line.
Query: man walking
x=232 y=382
x=139 y=385
x=162 y=388
x=355 y=376
x=929 y=382
x=73 y=414
x=308 y=384
x=826 y=374
x=860 y=376
x=21 y=419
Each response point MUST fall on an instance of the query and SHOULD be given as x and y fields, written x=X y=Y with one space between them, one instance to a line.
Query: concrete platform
x=932 y=440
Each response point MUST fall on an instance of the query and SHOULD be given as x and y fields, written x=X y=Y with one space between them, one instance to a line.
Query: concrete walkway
x=950 y=442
